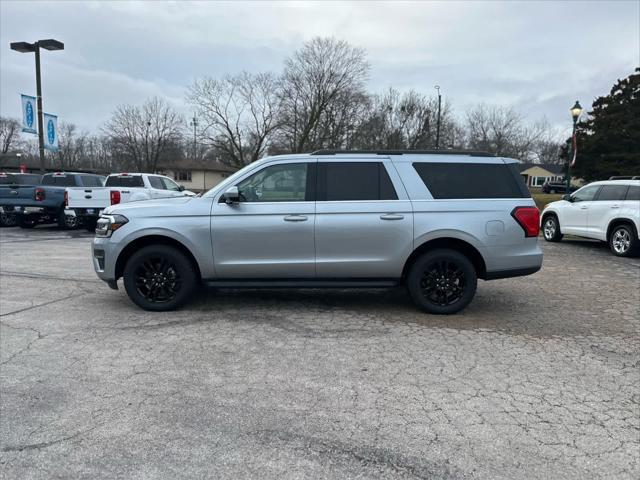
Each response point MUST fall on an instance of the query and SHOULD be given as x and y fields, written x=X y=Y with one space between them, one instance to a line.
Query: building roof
x=209 y=166
x=549 y=167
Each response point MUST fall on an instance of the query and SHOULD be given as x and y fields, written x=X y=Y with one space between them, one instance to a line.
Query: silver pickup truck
x=433 y=221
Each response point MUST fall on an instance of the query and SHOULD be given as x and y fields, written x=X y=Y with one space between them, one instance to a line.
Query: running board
x=303 y=283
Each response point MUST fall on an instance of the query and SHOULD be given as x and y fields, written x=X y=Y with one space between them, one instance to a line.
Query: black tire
x=442 y=282
x=623 y=241
x=8 y=220
x=27 y=221
x=551 y=228
x=90 y=224
x=175 y=274
x=67 y=222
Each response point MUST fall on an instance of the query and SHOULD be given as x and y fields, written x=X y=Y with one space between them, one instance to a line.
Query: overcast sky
x=539 y=56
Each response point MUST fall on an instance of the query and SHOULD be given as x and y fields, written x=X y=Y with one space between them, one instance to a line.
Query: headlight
x=107 y=224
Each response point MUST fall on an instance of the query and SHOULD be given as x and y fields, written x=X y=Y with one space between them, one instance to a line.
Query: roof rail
x=625 y=177
x=470 y=153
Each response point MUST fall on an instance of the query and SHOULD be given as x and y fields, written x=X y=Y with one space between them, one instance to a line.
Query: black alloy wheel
x=159 y=278
x=442 y=281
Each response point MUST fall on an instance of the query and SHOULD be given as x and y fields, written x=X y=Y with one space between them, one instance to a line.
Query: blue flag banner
x=29 y=114
x=50 y=131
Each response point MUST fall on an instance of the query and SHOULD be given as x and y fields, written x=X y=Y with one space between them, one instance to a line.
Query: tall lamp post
x=576 y=110
x=26 y=47
x=437 y=87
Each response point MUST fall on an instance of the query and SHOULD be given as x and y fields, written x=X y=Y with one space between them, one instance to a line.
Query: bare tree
x=502 y=131
x=405 y=121
x=238 y=114
x=143 y=134
x=324 y=77
x=9 y=133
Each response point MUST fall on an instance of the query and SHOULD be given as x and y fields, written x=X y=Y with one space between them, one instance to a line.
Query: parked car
x=88 y=203
x=557 y=187
x=607 y=211
x=10 y=183
x=45 y=203
x=434 y=221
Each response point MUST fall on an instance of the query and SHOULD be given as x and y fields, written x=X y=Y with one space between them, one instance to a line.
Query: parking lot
x=538 y=378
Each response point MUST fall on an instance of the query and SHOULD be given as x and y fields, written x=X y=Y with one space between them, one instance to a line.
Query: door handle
x=584 y=207
x=391 y=216
x=295 y=218
x=615 y=206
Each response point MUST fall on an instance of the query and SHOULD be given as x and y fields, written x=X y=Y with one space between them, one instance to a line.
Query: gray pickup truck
x=10 y=184
x=433 y=221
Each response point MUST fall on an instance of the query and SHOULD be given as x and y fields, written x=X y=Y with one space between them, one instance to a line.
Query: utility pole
x=26 y=47
x=437 y=87
x=194 y=124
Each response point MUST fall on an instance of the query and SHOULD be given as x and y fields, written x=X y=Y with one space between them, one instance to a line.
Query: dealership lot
x=538 y=378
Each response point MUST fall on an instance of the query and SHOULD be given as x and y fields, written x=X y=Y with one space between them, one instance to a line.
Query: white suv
x=607 y=211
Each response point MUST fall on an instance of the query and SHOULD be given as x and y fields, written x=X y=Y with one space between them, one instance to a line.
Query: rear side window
x=156 y=182
x=91 y=181
x=612 y=192
x=351 y=181
x=633 y=193
x=131 y=182
x=472 y=180
x=59 y=180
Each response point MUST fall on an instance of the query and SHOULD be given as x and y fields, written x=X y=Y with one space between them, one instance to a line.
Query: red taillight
x=66 y=199
x=115 y=197
x=39 y=196
x=529 y=219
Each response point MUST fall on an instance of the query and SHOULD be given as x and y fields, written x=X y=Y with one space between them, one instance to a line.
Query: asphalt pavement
x=538 y=378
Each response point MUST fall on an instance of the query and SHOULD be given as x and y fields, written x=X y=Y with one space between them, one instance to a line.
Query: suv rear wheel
x=159 y=278
x=442 y=281
x=551 y=229
x=622 y=240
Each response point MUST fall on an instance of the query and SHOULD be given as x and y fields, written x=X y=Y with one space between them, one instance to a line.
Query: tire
x=67 y=222
x=623 y=241
x=428 y=277
x=180 y=278
x=551 y=229
x=8 y=220
x=553 y=190
x=90 y=224
x=27 y=221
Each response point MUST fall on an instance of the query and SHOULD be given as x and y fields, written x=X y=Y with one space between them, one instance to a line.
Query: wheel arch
x=452 y=243
x=153 y=239
x=622 y=221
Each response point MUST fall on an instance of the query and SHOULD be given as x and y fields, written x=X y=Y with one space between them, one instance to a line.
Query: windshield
x=228 y=180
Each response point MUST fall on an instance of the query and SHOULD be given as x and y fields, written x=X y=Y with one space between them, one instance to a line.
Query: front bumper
x=104 y=254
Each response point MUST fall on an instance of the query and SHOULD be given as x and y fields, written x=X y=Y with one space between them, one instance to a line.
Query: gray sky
x=539 y=56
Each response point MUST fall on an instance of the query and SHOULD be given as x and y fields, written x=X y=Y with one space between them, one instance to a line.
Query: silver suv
x=433 y=221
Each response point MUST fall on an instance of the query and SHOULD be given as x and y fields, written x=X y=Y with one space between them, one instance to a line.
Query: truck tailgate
x=16 y=194
x=85 y=197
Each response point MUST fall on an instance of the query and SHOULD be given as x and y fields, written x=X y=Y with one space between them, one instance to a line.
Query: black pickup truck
x=10 y=183
x=45 y=203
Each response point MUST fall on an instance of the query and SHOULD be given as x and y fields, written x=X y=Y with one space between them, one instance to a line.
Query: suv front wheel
x=442 y=281
x=159 y=278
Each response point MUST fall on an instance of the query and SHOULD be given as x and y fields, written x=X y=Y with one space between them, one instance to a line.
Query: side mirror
x=232 y=195
x=181 y=188
x=567 y=197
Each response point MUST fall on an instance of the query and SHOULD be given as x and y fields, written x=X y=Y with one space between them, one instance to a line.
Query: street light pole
x=437 y=87
x=194 y=124
x=26 y=47
x=576 y=110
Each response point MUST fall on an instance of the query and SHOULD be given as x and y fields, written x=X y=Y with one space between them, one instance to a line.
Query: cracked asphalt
x=538 y=378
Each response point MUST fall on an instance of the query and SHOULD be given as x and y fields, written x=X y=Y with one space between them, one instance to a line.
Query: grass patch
x=542 y=199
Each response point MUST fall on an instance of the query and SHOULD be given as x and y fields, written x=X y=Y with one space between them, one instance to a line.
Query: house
x=196 y=176
x=536 y=174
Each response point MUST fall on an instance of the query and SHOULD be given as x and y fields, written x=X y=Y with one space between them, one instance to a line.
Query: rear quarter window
x=633 y=193
x=472 y=180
